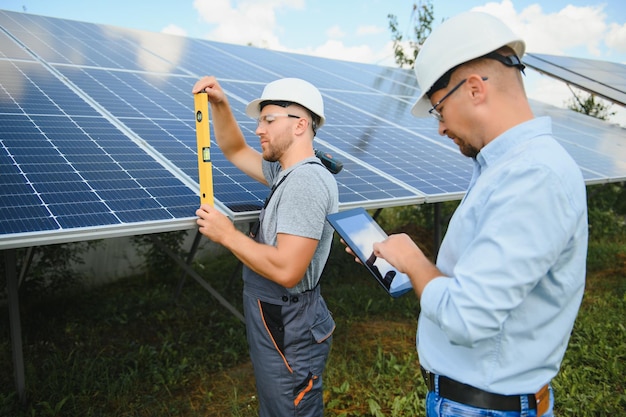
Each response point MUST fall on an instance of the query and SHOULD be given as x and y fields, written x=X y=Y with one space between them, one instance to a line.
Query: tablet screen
x=360 y=231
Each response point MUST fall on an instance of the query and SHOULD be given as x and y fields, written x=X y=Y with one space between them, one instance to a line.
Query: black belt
x=469 y=395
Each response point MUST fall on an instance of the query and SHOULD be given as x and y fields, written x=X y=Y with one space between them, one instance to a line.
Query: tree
x=407 y=47
x=589 y=105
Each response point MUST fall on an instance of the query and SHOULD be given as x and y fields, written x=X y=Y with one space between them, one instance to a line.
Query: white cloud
x=369 y=30
x=254 y=22
x=249 y=22
x=616 y=37
x=554 y=33
x=335 y=32
x=546 y=89
x=335 y=49
x=174 y=30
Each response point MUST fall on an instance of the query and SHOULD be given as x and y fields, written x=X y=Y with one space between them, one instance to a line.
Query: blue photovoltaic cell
x=427 y=166
x=176 y=140
x=232 y=62
x=352 y=76
x=12 y=50
x=61 y=41
x=606 y=79
x=598 y=147
x=98 y=128
x=55 y=174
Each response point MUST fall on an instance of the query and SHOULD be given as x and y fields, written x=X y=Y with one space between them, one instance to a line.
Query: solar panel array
x=98 y=136
x=606 y=79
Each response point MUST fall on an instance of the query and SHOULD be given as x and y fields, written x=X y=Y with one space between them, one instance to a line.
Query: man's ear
x=477 y=87
x=302 y=125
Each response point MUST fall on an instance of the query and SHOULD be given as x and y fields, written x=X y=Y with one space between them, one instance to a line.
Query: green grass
x=126 y=349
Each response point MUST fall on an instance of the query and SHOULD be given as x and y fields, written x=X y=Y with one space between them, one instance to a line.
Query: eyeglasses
x=433 y=110
x=269 y=118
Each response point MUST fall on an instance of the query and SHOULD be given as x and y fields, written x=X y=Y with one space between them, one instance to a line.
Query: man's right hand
x=209 y=85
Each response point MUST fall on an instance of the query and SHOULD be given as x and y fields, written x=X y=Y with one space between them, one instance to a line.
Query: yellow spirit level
x=203 y=136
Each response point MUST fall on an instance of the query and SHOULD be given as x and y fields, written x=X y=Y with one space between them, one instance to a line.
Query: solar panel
x=59 y=169
x=605 y=79
x=98 y=132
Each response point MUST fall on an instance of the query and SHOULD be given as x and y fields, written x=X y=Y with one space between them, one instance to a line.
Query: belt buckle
x=429 y=379
x=542 y=397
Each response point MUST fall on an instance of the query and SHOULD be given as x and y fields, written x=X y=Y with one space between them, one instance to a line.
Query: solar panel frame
x=602 y=78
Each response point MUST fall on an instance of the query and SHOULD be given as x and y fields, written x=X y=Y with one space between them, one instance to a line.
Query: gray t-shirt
x=299 y=207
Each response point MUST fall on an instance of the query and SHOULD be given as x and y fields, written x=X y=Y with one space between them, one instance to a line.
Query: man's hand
x=404 y=255
x=213 y=224
x=399 y=250
x=209 y=85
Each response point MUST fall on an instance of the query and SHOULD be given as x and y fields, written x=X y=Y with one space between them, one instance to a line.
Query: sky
x=358 y=30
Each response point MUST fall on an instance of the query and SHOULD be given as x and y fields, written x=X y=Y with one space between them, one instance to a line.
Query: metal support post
x=15 y=323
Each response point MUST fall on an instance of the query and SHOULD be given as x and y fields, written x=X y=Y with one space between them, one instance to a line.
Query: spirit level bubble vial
x=203 y=136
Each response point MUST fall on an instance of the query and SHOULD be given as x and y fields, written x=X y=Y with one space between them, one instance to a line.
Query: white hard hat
x=293 y=90
x=460 y=39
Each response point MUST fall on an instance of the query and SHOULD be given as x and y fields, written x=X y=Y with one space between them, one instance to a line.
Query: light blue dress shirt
x=514 y=260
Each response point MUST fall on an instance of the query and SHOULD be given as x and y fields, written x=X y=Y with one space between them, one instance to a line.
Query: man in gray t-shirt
x=288 y=325
x=298 y=207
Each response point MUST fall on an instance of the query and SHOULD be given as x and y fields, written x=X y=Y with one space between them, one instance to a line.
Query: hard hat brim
x=293 y=90
x=253 y=109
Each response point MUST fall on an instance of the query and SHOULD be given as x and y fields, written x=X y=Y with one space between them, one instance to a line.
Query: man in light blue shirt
x=498 y=307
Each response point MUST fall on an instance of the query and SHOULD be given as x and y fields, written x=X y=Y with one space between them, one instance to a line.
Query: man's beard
x=467 y=149
x=275 y=151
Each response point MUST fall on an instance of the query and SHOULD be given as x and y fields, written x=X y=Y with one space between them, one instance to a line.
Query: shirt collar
x=512 y=138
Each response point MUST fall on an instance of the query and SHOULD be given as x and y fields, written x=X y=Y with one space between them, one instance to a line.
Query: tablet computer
x=360 y=231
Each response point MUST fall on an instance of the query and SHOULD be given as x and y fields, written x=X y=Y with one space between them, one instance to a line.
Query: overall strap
x=275 y=186
x=255 y=228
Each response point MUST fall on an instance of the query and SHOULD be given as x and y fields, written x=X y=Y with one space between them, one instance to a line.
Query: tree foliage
x=589 y=105
x=406 y=46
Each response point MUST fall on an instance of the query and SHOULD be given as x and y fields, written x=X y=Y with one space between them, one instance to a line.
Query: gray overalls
x=289 y=337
